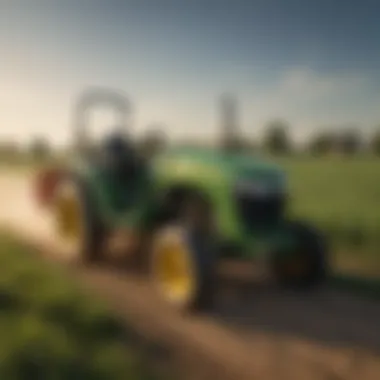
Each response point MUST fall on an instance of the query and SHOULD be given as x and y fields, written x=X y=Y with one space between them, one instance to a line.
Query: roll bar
x=93 y=97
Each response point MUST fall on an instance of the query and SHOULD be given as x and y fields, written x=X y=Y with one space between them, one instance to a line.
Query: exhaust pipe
x=229 y=123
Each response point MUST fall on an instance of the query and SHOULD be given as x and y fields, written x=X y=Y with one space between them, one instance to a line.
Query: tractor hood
x=253 y=173
x=239 y=168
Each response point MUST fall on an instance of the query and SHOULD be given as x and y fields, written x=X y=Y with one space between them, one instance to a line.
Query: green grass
x=50 y=330
x=342 y=196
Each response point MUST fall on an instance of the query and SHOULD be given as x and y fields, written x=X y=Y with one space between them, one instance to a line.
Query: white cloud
x=305 y=83
x=309 y=100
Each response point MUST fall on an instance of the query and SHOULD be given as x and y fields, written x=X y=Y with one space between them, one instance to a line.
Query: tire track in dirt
x=261 y=332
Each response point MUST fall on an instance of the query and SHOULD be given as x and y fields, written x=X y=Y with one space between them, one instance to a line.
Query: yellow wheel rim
x=67 y=217
x=173 y=269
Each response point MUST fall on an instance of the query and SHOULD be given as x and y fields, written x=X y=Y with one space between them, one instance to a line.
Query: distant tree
x=248 y=145
x=277 y=139
x=375 y=143
x=321 y=143
x=9 y=149
x=350 y=141
x=39 y=148
x=234 y=144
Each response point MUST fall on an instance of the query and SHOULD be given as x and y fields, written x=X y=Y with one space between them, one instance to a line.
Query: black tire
x=202 y=257
x=91 y=246
x=203 y=252
x=198 y=238
x=312 y=247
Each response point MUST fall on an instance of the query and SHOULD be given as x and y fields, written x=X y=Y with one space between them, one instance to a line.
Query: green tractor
x=178 y=213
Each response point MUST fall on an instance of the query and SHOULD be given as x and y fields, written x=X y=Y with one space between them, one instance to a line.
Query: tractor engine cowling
x=45 y=185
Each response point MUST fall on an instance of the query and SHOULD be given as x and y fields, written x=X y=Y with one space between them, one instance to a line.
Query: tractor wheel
x=182 y=261
x=77 y=225
x=307 y=265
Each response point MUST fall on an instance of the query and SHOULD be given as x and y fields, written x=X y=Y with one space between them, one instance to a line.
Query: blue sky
x=315 y=64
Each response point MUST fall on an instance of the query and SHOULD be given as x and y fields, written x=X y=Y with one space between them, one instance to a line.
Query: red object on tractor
x=45 y=185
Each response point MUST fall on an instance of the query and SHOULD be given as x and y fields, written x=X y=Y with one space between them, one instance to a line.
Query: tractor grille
x=259 y=211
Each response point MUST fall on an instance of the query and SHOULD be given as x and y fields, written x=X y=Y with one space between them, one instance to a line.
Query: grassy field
x=50 y=330
x=342 y=196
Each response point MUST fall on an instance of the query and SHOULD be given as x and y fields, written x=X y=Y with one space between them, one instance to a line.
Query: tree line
x=277 y=139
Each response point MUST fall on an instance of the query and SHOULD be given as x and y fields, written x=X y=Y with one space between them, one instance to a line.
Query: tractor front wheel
x=182 y=268
x=306 y=265
x=183 y=255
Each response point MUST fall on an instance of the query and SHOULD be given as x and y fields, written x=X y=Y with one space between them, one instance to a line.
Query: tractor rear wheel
x=306 y=266
x=182 y=258
x=76 y=222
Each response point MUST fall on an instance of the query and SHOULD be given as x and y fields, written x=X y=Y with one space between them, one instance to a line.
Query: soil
x=256 y=331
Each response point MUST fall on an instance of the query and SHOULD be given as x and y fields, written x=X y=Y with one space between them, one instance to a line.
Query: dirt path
x=258 y=332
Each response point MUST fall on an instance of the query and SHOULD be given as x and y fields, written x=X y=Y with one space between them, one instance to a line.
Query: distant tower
x=229 y=121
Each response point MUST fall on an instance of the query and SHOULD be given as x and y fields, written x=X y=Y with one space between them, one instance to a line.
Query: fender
x=45 y=184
